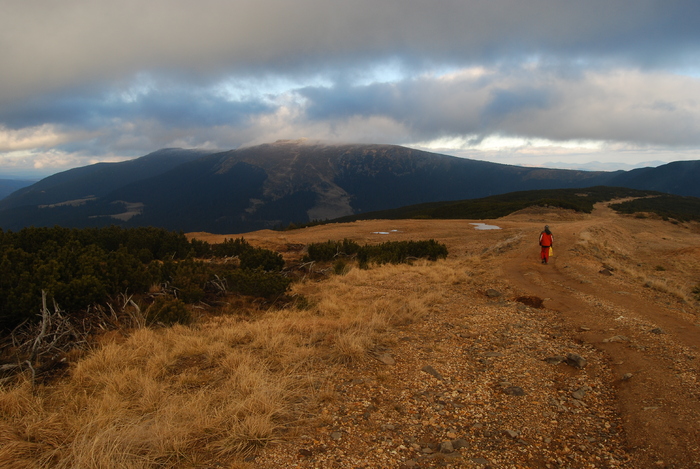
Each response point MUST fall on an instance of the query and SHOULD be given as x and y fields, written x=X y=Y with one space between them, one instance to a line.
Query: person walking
x=546 y=241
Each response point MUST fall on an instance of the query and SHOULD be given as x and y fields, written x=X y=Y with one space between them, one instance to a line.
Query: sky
x=527 y=82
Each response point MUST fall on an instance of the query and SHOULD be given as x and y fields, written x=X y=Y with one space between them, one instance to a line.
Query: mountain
x=8 y=186
x=271 y=185
x=98 y=180
x=679 y=177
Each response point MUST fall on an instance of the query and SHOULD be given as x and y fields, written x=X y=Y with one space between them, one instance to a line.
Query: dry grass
x=190 y=396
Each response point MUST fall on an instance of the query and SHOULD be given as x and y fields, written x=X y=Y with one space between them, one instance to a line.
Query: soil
x=617 y=291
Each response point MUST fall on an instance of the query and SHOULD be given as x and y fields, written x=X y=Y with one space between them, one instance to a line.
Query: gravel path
x=523 y=365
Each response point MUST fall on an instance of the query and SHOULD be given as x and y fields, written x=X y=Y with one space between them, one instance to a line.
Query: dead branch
x=45 y=322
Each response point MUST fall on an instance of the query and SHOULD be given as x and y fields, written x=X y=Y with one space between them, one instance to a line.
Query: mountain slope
x=8 y=186
x=271 y=185
x=679 y=177
x=99 y=179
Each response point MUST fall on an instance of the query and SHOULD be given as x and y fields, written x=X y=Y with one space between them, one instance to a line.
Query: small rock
x=606 y=272
x=626 y=376
x=512 y=433
x=657 y=330
x=580 y=393
x=491 y=293
x=555 y=360
x=481 y=461
x=514 y=391
x=388 y=426
x=575 y=360
x=446 y=447
x=584 y=328
x=432 y=371
x=385 y=358
x=305 y=452
x=459 y=443
x=336 y=436
x=617 y=338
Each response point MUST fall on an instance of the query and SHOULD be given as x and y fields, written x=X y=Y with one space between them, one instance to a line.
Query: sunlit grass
x=189 y=395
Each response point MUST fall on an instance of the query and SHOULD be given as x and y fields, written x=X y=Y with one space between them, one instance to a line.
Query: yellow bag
x=551 y=251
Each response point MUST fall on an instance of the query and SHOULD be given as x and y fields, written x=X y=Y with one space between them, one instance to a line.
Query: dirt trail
x=617 y=288
x=645 y=338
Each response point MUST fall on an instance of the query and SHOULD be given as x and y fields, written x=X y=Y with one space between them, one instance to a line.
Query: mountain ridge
x=285 y=182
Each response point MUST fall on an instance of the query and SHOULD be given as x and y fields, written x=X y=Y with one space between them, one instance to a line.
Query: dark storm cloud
x=224 y=73
x=55 y=44
x=181 y=107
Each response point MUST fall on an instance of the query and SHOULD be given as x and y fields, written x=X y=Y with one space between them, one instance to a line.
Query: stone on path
x=575 y=360
x=432 y=371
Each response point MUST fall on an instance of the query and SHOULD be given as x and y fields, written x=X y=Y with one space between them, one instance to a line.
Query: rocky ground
x=590 y=361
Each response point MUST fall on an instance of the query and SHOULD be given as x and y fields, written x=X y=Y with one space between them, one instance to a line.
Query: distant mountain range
x=291 y=181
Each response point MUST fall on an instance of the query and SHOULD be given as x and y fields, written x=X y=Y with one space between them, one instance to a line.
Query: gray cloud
x=87 y=79
x=52 y=45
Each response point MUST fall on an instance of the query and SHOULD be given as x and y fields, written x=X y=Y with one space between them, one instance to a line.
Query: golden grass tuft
x=188 y=396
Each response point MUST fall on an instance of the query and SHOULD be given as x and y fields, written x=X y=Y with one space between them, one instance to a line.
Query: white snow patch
x=484 y=226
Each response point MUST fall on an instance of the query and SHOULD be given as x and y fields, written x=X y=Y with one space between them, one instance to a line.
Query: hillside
x=98 y=180
x=273 y=185
x=267 y=186
x=487 y=358
x=579 y=200
x=8 y=186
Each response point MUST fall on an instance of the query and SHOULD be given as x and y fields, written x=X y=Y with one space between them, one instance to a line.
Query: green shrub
x=324 y=252
x=340 y=267
x=264 y=259
x=231 y=247
x=168 y=311
x=257 y=283
x=396 y=252
x=390 y=252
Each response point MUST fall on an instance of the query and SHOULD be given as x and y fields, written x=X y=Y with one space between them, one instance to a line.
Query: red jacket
x=546 y=239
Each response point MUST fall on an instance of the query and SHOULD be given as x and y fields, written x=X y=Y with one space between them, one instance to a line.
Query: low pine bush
x=168 y=311
x=393 y=252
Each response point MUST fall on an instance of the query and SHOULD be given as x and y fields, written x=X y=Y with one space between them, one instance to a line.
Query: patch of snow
x=484 y=226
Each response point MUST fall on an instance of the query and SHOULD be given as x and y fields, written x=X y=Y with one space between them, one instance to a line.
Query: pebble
x=514 y=391
x=432 y=371
x=446 y=447
x=580 y=393
x=576 y=360
x=617 y=338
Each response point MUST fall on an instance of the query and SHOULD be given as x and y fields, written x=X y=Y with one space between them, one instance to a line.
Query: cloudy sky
x=512 y=81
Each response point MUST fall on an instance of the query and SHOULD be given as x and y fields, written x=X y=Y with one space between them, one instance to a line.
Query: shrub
x=323 y=252
x=340 y=267
x=257 y=282
x=396 y=252
x=168 y=311
x=231 y=247
x=261 y=258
